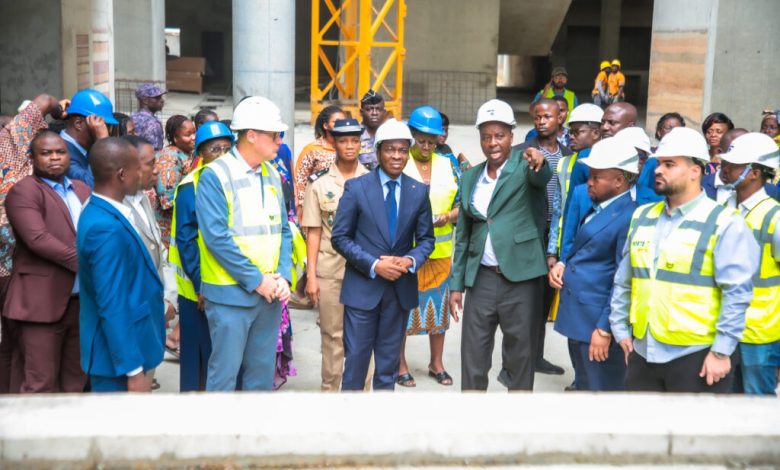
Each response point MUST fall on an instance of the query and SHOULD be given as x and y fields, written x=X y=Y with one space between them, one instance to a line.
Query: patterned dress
x=148 y=127
x=172 y=166
x=15 y=164
x=315 y=157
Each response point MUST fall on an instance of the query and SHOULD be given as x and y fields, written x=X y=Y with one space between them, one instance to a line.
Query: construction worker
x=212 y=140
x=616 y=82
x=585 y=275
x=753 y=160
x=685 y=280
x=325 y=266
x=599 y=92
x=557 y=87
x=246 y=250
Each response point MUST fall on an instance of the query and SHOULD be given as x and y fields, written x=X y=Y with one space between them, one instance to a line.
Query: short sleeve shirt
x=615 y=81
x=319 y=210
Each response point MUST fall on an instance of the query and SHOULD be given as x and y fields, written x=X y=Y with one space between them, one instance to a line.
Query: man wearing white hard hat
x=685 y=280
x=585 y=276
x=246 y=250
x=753 y=160
x=384 y=229
x=499 y=257
x=642 y=192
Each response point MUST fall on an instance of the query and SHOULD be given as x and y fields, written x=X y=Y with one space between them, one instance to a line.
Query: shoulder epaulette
x=315 y=176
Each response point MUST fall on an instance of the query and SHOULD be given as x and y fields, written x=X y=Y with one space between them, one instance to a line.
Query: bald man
x=617 y=117
x=122 y=309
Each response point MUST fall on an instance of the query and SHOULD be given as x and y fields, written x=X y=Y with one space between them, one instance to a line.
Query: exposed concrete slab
x=296 y=430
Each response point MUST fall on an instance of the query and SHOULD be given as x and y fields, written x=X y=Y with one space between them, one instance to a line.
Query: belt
x=495 y=269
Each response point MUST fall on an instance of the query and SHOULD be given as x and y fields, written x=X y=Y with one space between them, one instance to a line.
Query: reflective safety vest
x=563 y=172
x=762 y=319
x=183 y=283
x=568 y=95
x=254 y=218
x=298 y=255
x=443 y=190
x=676 y=295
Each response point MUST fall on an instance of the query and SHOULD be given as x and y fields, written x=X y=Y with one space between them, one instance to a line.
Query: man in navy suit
x=122 y=310
x=585 y=275
x=384 y=229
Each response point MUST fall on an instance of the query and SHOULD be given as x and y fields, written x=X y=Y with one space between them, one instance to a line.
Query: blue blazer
x=79 y=166
x=361 y=235
x=708 y=185
x=122 y=320
x=590 y=270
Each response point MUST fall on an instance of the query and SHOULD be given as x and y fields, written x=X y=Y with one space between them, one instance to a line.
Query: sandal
x=443 y=378
x=406 y=380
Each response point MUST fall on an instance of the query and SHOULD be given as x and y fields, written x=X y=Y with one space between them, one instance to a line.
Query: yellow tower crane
x=369 y=49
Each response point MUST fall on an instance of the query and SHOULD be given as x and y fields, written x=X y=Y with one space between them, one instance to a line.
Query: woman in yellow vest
x=753 y=159
x=436 y=171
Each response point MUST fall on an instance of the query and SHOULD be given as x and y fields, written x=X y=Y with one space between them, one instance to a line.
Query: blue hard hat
x=211 y=130
x=427 y=120
x=89 y=102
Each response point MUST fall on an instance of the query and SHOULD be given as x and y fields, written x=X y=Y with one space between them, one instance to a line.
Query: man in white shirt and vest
x=246 y=250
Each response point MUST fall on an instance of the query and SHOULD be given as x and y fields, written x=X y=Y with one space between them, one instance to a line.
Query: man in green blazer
x=499 y=255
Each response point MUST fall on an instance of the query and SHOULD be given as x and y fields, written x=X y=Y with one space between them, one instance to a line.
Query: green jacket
x=513 y=220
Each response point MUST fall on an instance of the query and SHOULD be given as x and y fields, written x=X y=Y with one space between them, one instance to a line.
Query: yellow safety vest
x=298 y=255
x=254 y=219
x=762 y=319
x=568 y=95
x=443 y=190
x=563 y=171
x=183 y=283
x=676 y=295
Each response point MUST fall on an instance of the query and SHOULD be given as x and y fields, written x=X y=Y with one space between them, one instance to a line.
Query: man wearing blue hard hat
x=212 y=140
x=88 y=114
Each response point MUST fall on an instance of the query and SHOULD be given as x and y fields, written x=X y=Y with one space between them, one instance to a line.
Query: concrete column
x=609 y=37
x=139 y=29
x=264 y=54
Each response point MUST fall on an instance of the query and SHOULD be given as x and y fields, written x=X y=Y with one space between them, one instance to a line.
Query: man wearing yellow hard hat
x=599 y=92
x=616 y=82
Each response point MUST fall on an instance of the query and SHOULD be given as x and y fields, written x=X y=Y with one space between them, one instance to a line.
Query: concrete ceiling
x=529 y=27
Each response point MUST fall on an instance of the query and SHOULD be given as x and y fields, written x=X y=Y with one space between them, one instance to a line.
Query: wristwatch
x=603 y=334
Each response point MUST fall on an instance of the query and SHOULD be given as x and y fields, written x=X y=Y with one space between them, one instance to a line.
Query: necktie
x=391 y=207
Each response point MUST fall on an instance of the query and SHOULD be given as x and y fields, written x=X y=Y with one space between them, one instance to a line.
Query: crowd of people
x=659 y=264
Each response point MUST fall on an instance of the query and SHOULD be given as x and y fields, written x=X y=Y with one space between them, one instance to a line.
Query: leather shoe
x=543 y=366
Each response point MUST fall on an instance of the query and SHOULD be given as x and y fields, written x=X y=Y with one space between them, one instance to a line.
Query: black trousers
x=678 y=376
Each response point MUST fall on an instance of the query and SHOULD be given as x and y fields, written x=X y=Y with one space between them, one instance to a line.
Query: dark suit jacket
x=513 y=220
x=45 y=264
x=590 y=269
x=79 y=166
x=361 y=235
x=122 y=311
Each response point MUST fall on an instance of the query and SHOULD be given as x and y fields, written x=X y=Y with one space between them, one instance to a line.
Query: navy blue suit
x=122 y=310
x=79 y=168
x=591 y=263
x=376 y=310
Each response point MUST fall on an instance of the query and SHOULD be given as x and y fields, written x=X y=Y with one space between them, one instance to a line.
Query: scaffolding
x=366 y=39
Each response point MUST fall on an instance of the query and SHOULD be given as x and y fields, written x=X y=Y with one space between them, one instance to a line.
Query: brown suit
x=39 y=299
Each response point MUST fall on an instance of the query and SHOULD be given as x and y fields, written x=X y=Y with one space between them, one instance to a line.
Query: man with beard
x=685 y=280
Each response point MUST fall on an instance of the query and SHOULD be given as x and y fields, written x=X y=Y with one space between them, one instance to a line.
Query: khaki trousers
x=331 y=324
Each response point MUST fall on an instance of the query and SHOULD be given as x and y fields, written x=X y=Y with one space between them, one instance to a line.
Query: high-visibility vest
x=443 y=190
x=563 y=172
x=183 y=283
x=568 y=95
x=298 y=266
x=254 y=219
x=676 y=295
x=762 y=319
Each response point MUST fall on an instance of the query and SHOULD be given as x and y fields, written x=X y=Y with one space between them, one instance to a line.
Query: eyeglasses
x=218 y=149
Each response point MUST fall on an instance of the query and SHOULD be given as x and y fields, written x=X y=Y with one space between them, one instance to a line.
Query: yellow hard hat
x=616 y=62
x=604 y=64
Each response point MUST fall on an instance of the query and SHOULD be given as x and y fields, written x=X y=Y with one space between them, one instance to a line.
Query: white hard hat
x=393 y=129
x=636 y=136
x=257 y=113
x=586 y=112
x=753 y=147
x=496 y=111
x=683 y=142
x=613 y=153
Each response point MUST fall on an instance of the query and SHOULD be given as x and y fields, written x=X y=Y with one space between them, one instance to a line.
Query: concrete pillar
x=609 y=37
x=264 y=54
x=139 y=29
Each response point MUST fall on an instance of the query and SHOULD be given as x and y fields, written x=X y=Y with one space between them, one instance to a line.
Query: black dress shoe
x=543 y=366
x=570 y=388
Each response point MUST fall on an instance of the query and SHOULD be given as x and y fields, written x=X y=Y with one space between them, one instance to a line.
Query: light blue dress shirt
x=384 y=178
x=73 y=203
x=736 y=258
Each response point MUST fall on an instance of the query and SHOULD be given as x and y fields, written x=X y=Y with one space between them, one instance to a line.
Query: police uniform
x=319 y=210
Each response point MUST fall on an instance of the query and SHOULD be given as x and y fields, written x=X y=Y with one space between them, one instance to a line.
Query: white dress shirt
x=722 y=193
x=480 y=200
